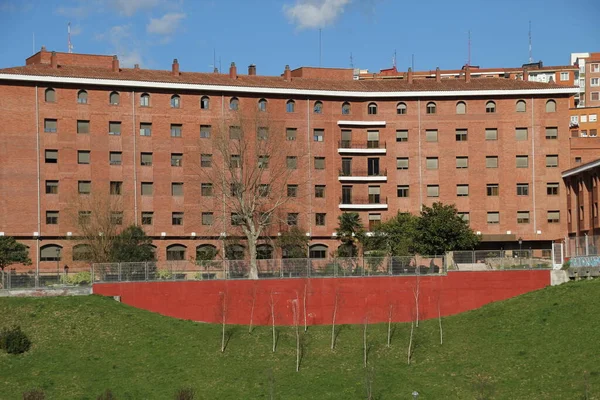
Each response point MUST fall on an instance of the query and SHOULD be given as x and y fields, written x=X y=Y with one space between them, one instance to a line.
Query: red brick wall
x=357 y=297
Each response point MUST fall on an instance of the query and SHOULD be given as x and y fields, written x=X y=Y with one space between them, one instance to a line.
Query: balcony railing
x=355 y=144
x=371 y=201
x=362 y=173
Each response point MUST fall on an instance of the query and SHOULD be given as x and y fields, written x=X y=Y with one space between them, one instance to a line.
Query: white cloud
x=310 y=14
x=130 y=7
x=124 y=44
x=76 y=30
x=166 y=25
x=81 y=11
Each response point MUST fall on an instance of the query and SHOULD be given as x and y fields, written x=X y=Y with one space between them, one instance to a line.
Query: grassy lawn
x=542 y=345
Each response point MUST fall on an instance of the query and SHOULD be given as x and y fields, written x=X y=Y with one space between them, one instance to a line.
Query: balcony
x=373 y=202
x=361 y=147
x=357 y=175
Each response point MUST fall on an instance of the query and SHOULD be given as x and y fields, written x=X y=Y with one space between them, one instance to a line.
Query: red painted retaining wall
x=357 y=298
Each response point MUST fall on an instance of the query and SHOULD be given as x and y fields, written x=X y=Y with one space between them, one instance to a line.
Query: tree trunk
x=253 y=273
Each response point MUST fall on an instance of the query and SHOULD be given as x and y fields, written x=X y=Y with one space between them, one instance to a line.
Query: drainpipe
x=39 y=201
x=135 y=182
x=533 y=167
x=420 y=166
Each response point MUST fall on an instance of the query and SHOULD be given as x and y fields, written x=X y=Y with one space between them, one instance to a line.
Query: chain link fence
x=587 y=245
x=501 y=259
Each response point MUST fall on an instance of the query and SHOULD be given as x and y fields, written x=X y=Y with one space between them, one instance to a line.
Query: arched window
x=234 y=104
x=431 y=107
x=114 y=98
x=176 y=252
x=461 y=107
x=82 y=252
x=262 y=105
x=293 y=252
x=346 y=108
x=145 y=100
x=234 y=252
x=401 y=109
x=490 y=107
x=521 y=106
x=50 y=252
x=372 y=109
x=550 y=106
x=50 y=95
x=318 y=108
x=204 y=102
x=82 y=97
x=290 y=106
x=264 y=252
x=317 y=251
x=206 y=252
x=175 y=101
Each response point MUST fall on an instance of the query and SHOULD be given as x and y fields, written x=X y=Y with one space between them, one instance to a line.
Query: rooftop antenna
x=469 y=56
x=413 y=62
x=530 y=54
x=69 y=44
x=33 y=42
x=351 y=61
x=320 y=52
x=394 y=59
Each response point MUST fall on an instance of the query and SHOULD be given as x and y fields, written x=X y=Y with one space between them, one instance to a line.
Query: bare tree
x=296 y=315
x=304 y=305
x=272 y=307
x=335 y=307
x=389 y=332
x=416 y=292
x=256 y=167
x=223 y=299
x=365 y=347
x=440 y=321
x=410 y=341
x=253 y=294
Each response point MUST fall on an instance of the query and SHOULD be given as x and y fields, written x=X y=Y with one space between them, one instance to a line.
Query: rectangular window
x=145 y=129
x=593 y=117
x=206 y=189
x=146 y=159
x=402 y=190
x=594 y=81
x=291 y=162
x=177 y=189
x=264 y=189
x=292 y=190
x=235 y=161
x=521 y=133
x=522 y=217
x=84 y=216
x=84 y=187
x=205 y=131
x=372 y=139
x=552 y=188
x=431 y=135
x=491 y=134
x=176 y=160
x=51 y=156
x=207 y=218
x=147 y=188
x=51 y=217
x=552 y=132
x=374 y=221
x=594 y=67
x=51 y=187
x=493 y=189
x=374 y=195
x=432 y=163
x=583 y=118
x=433 y=191
x=491 y=161
x=522 y=161
x=552 y=161
x=83 y=126
x=263 y=162
x=176 y=130
x=461 y=135
x=319 y=162
x=235 y=132
x=564 y=76
x=402 y=136
x=318 y=135
x=346 y=142
x=522 y=189
x=177 y=218
x=493 y=217
x=292 y=219
x=465 y=216
x=83 y=157
x=116 y=187
x=290 y=133
x=116 y=217
x=50 y=125
x=320 y=191
x=462 y=190
x=114 y=128
x=462 y=162
x=554 y=217
x=402 y=163
x=595 y=96
x=115 y=157
x=320 y=219
x=262 y=133
x=206 y=160
x=147 y=217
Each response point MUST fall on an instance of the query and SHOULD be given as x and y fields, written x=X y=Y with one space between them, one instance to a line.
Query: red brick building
x=76 y=124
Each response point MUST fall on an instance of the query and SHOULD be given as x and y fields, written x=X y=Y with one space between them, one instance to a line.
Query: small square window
x=402 y=136
x=465 y=216
x=205 y=131
x=433 y=191
x=462 y=190
x=262 y=133
x=319 y=162
x=402 y=163
x=235 y=161
x=491 y=134
x=176 y=130
x=206 y=189
x=51 y=156
x=290 y=133
x=206 y=160
x=51 y=217
x=461 y=135
x=522 y=161
x=177 y=218
x=116 y=217
x=552 y=161
x=145 y=129
x=263 y=162
x=521 y=134
x=147 y=188
x=177 y=189
x=493 y=189
x=522 y=189
x=462 y=162
x=84 y=187
x=491 y=161
x=292 y=219
x=50 y=125
x=552 y=188
x=402 y=190
x=292 y=190
x=551 y=132
x=431 y=135
x=554 y=217
x=319 y=135
x=207 y=218
x=51 y=187
x=83 y=157
x=493 y=217
x=114 y=128
x=176 y=160
x=522 y=217
x=83 y=127
x=432 y=163
x=235 y=132
x=291 y=162
x=320 y=191
x=116 y=187
x=320 y=219
x=147 y=217
x=146 y=159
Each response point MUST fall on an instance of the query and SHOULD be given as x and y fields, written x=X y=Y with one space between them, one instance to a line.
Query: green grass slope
x=542 y=345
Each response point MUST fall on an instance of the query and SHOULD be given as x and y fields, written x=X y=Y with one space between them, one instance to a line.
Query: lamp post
x=58 y=263
x=520 y=252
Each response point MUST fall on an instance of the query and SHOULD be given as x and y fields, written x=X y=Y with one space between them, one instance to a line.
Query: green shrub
x=34 y=394
x=14 y=340
x=107 y=395
x=566 y=265
x=185 y=394
x=164 y=274
x=80 y=278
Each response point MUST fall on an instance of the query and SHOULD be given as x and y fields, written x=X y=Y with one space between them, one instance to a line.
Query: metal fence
x=587 y=245
x=26 y=280
x=502 y=259
x=275 y=268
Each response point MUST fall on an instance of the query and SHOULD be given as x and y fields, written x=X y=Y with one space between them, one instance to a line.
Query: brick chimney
x=53 y=60
x=115 y=64
x=43 y=49
x=175 y=67
x=467 y=74
x=525 y=74
x=438 y=75
x=410 y=75
x=136 y=66
x=287 y=73
x=233 y=71
x=252 y=69
x=216 y=70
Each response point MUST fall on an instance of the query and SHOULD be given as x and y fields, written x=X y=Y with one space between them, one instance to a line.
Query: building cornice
x=582 y=168
x=285 y=91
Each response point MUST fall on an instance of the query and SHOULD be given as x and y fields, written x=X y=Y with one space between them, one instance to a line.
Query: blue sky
x=272 y=33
